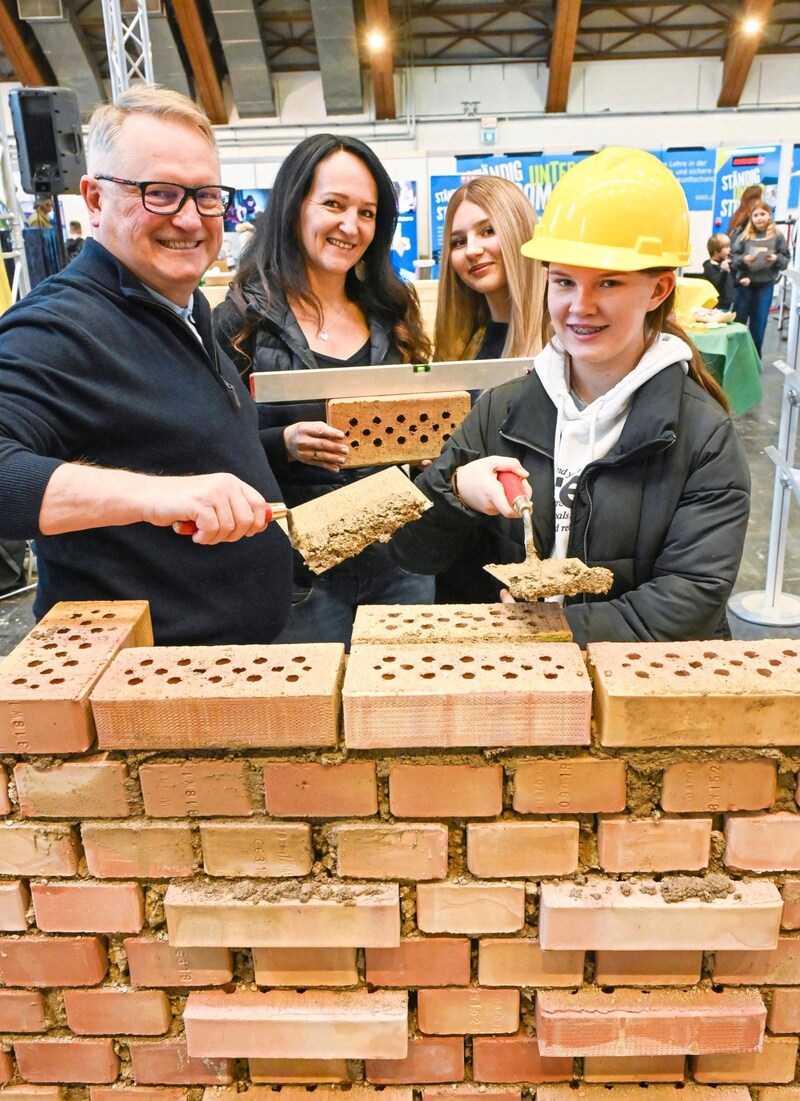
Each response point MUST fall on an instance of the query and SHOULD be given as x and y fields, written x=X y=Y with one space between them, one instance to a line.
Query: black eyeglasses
x=211 y=200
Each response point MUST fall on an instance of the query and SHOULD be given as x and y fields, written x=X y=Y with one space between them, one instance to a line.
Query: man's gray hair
x=151 y=99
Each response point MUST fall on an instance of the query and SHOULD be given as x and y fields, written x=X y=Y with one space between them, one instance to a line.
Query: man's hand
x=480 y=490
x=315 y=443
x=222 y=507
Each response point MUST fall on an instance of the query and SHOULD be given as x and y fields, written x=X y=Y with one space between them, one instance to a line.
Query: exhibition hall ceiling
x=225 y=52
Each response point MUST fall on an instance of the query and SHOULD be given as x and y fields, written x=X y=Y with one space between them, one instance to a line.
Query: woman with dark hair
x=316 y=289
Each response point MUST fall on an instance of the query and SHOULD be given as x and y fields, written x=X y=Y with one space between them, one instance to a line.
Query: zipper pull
x=232 y=393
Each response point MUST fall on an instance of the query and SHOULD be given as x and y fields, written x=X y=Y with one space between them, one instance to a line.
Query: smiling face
x=476 y=257
x=599 y=315
x=337 y=218
x=169 y=253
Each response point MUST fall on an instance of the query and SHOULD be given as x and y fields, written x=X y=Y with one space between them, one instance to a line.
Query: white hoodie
x=584 y=435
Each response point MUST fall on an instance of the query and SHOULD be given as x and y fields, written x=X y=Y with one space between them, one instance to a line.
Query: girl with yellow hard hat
x=622 y=438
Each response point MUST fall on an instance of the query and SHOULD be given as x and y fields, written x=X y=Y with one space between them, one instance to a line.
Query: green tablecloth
x=731 y=357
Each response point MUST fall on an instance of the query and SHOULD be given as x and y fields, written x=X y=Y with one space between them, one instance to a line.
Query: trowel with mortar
x=536 y=578
x=340 y=524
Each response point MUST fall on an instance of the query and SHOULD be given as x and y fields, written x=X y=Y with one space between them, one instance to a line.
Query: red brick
x=767 y=843
x=117 y=1012
x=66 y=1060
x=305 y=967
x=6 y=1068
x=635 y=915
x=315 y=790
x=515 y=1059
x=774 y=1063
x=634 y=1068
x=779 y=967
x=284 y=1024
x=784 y=1013
x=67 y=789
x=668 y=845
x=30 y=1093
x=167 y=1063
x=474 y=908
x=53 y=961
x=718 y=785
x=647 y=968
x=88 y=907
x=37 y=850
x=446 y=791
x=569 y=785
x=525 y=849
x=308 y=1071
x=21 y=1011
x=778 y=1093
x=45 y=682
x=790 y=893
x=657 y=1022
x=136 y=1093
x=143 y=851
x=240 y=849
x=474 y=1011
x=219 y=697
x=521 y=961
x=391 y=851
x=439 y=1059
x=429 y=961
x=468 y=1092
x=195 y=788
x=14 y=901
x=577 y=1091
x=157 y=963
x=5 y=803
x=446 y=695
x=210 y=914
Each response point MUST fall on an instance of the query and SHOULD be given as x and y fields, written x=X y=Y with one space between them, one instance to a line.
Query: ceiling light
x=376 y=41
x=753 y=25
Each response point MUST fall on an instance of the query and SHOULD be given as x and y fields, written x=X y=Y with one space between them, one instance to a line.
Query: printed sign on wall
x=737 y=169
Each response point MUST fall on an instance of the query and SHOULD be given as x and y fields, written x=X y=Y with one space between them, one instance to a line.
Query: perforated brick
x=45 y=682
x=288 y=1025
x=181 y=697
x=242 y=914
x=382 y=624
x=476 y=694
x=696 y=693
x=636 y=915
x=403 y=428
x=658 y=1022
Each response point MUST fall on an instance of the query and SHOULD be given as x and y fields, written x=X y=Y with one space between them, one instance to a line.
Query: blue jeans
x=327 y=613
x=752 y=309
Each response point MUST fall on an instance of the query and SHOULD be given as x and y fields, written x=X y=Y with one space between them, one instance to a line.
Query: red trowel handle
x=514 y=490
x=276 y=510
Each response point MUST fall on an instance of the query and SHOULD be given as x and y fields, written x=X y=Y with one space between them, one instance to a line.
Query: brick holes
x=404 y=429
x=420 y=668
x=711 y=666
x=221 y=671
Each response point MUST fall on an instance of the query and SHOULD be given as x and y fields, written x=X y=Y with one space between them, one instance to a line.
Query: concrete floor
x=758 y=429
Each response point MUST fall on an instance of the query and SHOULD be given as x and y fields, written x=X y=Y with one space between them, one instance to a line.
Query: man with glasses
x=119 y=416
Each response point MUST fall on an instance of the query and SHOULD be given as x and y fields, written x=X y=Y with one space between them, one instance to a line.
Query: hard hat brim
x=581 y=254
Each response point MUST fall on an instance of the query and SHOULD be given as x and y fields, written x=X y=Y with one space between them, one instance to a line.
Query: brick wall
x=459 y=867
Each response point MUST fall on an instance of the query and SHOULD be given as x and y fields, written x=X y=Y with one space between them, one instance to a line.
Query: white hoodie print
x=585 y=435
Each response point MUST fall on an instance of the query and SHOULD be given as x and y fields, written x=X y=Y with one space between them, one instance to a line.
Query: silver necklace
x=324 y=332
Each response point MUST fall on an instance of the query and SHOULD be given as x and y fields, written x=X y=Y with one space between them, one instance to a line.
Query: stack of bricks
x=471 y=861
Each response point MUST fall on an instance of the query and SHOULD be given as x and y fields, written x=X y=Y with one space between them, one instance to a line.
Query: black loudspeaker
x=47 y=126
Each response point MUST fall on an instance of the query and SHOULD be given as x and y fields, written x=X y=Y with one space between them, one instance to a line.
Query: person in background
x=315 y=288
x=717 y=269
x=119 y=417
x=750 y=195
x=620 y=434
x=758 y=256
x=490 y=298
x=42 y=216
x=75 y=240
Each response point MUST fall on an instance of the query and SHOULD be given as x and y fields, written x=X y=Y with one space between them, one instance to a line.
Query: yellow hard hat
x=619 y=210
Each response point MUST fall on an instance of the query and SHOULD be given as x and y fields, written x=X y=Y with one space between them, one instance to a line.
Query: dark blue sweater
x=92 y=368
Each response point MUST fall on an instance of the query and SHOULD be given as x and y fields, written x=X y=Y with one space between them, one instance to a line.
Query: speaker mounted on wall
x=47 y=126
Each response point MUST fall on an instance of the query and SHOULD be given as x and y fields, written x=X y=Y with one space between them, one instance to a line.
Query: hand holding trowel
x=535 y=578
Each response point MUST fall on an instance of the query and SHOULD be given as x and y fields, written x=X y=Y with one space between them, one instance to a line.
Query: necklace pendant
x=323 y=335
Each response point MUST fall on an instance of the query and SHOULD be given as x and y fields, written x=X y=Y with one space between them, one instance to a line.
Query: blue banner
x=737 y=169
x=404 y=248
x=794 y=181
x=694 y=171
x=535 y=173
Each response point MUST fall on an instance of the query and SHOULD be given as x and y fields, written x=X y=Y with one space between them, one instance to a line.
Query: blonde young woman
x=490 y=297
x=758 y=256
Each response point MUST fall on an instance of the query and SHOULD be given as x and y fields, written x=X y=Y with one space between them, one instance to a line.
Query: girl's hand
x=749 y=259
x=506 y=597
x=771 y=257
x=480 y=490
x=744 y=281
x=315 y=443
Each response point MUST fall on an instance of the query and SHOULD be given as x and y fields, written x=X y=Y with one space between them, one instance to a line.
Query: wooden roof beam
x=740 y=52
x=26 y=69
x=206 y=80
x=562 y=53
x=381 y=62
